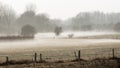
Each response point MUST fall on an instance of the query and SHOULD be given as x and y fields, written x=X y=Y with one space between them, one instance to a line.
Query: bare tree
x=31 y=7
x=7 y=17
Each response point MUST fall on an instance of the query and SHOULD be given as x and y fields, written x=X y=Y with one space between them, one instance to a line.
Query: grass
x=101 y=63
x=98 y=62
x=95 y=56
x=106 y=36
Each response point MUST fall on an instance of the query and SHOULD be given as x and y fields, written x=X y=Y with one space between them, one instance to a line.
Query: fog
x=50 y=40
x=76 y=34
x=32 y=22
x=33 y=30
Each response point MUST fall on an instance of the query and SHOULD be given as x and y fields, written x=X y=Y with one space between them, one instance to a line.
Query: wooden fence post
x=41 y=58
x=113 y=53
x=7 y=59
x=79 y=55
x=75 y=55
x=35 y=57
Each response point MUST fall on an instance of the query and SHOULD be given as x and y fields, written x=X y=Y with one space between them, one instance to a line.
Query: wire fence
x=50 y=56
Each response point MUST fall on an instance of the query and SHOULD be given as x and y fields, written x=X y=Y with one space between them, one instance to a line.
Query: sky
x=64 y=9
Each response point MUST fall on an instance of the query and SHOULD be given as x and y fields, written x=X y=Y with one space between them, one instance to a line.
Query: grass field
x=55 y=49
x=83 y=64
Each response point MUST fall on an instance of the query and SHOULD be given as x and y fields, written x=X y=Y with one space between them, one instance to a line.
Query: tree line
x=10 y=23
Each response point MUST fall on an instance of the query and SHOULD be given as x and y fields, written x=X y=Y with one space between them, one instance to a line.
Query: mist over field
x=59 y=34
x=31 y=28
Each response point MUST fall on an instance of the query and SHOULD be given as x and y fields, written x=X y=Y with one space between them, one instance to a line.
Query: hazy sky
x=64 y=9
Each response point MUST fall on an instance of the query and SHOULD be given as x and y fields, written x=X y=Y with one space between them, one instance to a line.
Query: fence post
x=41 y=57
x=79 y=55
x=75 y=55
x=7 y=59
x=35 y=57
x=113 y=53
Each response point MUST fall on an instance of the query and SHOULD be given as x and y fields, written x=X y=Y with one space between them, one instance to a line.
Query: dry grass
x=60 y=53
x=107 y=36
x=67 y=64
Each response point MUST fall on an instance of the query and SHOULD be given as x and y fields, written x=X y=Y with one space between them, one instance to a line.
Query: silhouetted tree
x=31 y=7
x=86 y=27
x=28 y=30
x=41 y=22
x=7 y=17
x=117 y=27
x=58 y=30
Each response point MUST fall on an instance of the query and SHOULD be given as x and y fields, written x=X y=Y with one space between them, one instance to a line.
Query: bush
x=58 y=30
x=28 y=30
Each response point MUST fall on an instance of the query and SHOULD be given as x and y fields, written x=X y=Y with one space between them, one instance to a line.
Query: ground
x=61 y=48
x=80 y=64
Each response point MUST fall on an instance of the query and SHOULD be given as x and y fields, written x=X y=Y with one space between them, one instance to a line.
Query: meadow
x=60 y=52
